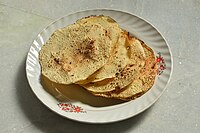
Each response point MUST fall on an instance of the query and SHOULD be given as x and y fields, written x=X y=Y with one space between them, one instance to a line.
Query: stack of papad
x=75 y=52
x=142 y=83
x=96 y=54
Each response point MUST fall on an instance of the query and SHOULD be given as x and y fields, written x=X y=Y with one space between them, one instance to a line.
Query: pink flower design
x=77 y=109
x=161 y=63
x=69 y=107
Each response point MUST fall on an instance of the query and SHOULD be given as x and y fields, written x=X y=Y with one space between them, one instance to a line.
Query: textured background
x=178 y=109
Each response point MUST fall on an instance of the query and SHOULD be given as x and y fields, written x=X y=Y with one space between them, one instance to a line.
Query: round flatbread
x=136 y=55
x=142 y=83
x=118 y=38
x=118 y=60
x=75 y=52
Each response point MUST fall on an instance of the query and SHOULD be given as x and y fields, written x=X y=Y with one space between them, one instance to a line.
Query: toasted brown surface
x=75 y=52
x=115 y=33
x=117 y=62
x=142 y=83
x=126 y=75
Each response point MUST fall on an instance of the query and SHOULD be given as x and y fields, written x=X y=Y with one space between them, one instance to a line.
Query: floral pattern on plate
x=69 y=107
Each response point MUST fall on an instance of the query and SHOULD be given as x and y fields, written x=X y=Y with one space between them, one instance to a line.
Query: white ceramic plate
x=79 y=105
